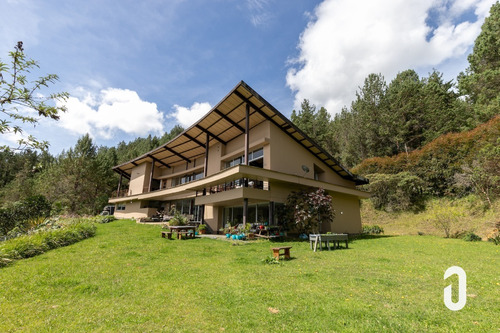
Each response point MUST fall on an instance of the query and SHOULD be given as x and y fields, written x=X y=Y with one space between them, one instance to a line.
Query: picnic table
x=327 y=238
x=182 y=229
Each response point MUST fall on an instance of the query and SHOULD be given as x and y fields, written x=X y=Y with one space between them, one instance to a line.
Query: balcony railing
x=238 y=183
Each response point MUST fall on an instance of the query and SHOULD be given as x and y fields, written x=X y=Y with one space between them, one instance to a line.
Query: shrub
x=39 y=242
x=270 y=260
x=178 y=219
x=373 y=229
x=471 y=237
x=107 y=219
x=494 y=236
x=24 y=214
x=398 y=192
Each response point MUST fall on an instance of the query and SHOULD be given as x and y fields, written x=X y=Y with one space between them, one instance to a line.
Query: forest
x=414 y=137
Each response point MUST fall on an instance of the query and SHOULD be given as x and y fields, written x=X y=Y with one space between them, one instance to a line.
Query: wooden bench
x=277 y=252
x=166 y=234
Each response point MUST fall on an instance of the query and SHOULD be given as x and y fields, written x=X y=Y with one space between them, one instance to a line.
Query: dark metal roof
x=225 y=122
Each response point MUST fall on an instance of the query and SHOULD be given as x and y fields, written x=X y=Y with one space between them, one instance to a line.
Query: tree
x=481 y=80
x=18 y=94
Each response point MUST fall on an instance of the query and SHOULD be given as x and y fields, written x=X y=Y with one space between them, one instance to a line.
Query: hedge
x=31 y=245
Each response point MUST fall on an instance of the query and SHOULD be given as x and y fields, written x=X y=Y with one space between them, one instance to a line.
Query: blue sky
x=135 y=68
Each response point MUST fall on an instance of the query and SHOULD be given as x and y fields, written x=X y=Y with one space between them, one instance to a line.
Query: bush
x=39 y=242
x=373 y=229
x=494 y=236
x=398 y=192
x=471 y=237
x=107 y=219
x=178 y=219
x=24 y=214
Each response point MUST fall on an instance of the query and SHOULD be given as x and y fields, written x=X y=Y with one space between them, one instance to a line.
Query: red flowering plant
x=308 y=208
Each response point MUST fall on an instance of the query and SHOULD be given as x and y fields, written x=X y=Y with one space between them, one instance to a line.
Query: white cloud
x=110 y=110
x=188 y=116
x=347 y=40
x=259 y=12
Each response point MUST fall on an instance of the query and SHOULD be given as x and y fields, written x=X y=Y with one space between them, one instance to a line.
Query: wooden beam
x=211 y=134
x=177 y=154
x=121 y=173
x=194 y=140
x=158 y=161
x=151 y=174
x=229 y=120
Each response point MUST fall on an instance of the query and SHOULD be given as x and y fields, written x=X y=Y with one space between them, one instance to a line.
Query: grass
x=128 y=278
x=471 y=212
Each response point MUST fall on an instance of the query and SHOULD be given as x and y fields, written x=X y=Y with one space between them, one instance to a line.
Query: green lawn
x=128 y=278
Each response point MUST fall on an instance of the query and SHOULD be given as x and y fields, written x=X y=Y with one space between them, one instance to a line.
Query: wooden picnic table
x=182 y=229
x=327 y=238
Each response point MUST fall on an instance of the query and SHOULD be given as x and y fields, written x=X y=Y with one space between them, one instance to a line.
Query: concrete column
x=271 y=212
x=151 y=176
x=247 y=131
x=205 y=169
x=245 y=211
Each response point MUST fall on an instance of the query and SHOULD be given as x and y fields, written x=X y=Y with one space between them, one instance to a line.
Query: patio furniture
x=281 y=251
x=327 y=238
x=167 y=234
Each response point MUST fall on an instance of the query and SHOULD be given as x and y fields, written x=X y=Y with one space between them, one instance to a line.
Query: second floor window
x=255 y=158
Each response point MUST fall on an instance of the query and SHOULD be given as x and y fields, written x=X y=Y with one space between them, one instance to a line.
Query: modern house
x=237 y=164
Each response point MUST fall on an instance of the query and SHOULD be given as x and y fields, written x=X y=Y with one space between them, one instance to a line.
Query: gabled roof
x=225 y=122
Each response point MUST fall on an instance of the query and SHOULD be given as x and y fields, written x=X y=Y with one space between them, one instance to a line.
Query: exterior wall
x=212 y=217
x=347 y=215
x=134 y=210
x=139 y=178
x=288 y=156
x=214 y=158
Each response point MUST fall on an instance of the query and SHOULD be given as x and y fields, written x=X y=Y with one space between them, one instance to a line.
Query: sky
x=134 y=68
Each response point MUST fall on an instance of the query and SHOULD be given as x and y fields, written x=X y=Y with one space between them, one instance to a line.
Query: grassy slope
x=471 y=217
x=127 y=278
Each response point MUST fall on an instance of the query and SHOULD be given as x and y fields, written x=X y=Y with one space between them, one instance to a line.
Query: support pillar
x=245 y=211
x=151 y=176
x=271 y=213
x=205 y=169
x=247 y=131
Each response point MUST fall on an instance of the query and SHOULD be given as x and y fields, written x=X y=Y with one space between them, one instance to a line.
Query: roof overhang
x=225 y=122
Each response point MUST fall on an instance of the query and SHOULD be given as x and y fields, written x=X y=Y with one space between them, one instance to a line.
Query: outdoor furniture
x=281 y=251
x=327 y=238
x=183 y=230
x=166 y=234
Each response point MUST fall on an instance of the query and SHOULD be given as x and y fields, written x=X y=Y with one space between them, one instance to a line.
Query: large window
x=186 y=178
x=258 y=213
x=255 y=158
x=120 y=206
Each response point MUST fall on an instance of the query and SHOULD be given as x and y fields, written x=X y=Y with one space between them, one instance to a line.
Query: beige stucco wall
x=214 y=158
x=134 y=210
x=212 y=217
x=288 y=156
x=139 y=178
x=347 y=215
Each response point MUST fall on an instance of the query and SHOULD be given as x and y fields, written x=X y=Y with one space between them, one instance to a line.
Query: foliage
x=471 y=237
x=481 y=81
x=372 y=229
x=17 y=95
x=401 y=191
x=307 y=208
x=438 y=162
x=24 y=214
x=178 y=218
x=202 y=227
x=447 y=218
x=107 y=219
x=37 y=243
x=494 y=235
x=270 y=260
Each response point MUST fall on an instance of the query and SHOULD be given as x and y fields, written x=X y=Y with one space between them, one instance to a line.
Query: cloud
x=188 y=116
x=259 y=12
x=108 y=111
x=347 y=40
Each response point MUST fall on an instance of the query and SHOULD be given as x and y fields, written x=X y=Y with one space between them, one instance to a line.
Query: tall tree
x=17 y=94
x=481 y=80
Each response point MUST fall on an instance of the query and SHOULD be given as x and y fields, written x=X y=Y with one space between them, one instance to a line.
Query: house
x=237 y=164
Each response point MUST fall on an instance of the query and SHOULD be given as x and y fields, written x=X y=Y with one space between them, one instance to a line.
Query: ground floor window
x=120 y=206
x=257 y=213
x=186 y=207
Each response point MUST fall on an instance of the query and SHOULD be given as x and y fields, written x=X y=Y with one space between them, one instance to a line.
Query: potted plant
x=202 y=229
